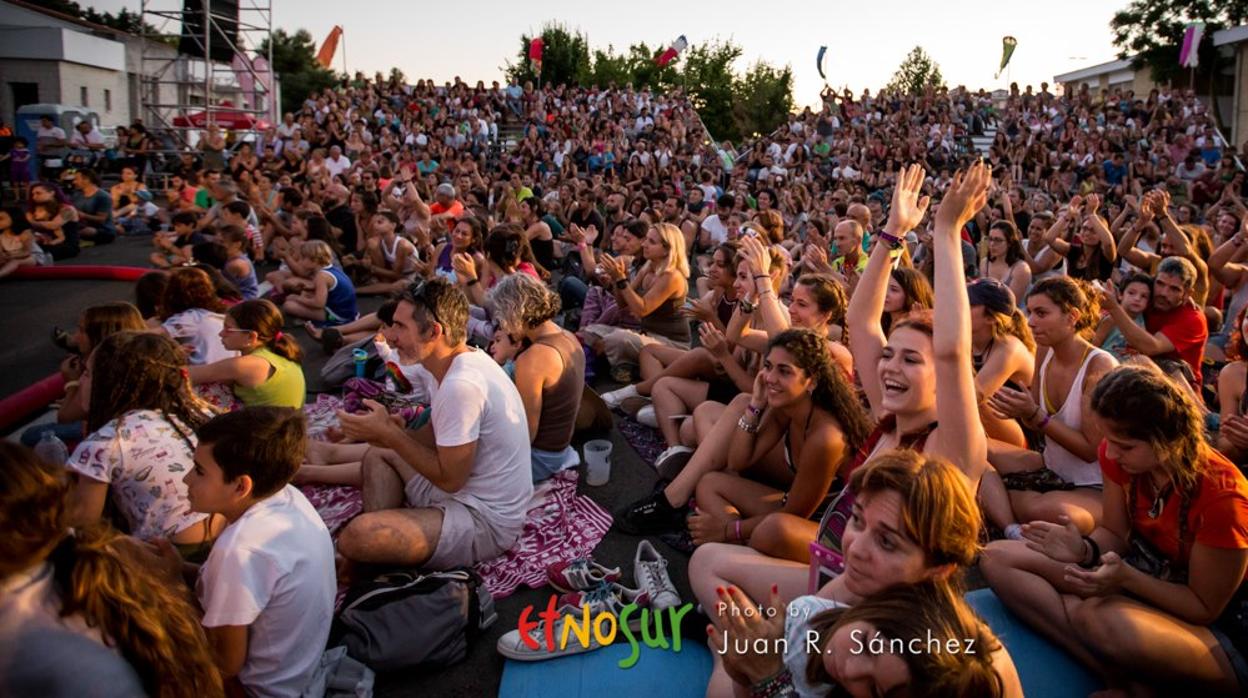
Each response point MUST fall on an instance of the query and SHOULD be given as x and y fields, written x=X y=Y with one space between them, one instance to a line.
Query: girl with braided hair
x=802 y=404
x=268 y=373
x=83 y=598
x=142 y=416
x=1155 y=598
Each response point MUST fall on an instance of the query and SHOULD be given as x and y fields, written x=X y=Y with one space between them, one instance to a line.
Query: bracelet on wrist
x=756 y=411
x=778 y=684
x=891 y=240
x=736 y=529
x=744 y=425
x=621 y=284
x=473 y=282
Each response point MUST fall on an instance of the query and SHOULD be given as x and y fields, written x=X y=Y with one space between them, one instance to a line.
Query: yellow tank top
x=284 y=388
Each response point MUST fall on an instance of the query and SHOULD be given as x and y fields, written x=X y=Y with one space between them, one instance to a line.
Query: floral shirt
x=143 y=458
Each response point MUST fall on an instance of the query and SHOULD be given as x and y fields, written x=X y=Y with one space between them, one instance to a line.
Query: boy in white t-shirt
x=267 y=588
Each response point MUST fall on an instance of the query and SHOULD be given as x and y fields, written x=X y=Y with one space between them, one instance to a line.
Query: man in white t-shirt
x=268 y=586
x=465 y=476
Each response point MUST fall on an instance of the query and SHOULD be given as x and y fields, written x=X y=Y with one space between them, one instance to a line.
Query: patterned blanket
x=560 y=525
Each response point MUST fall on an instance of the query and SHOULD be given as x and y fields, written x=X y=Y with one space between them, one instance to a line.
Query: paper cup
x=598 y=462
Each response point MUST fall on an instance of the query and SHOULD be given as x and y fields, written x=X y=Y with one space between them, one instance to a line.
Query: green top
x=284 y=388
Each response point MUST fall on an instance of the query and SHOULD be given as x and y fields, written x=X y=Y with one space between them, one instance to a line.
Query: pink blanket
x=560 y=524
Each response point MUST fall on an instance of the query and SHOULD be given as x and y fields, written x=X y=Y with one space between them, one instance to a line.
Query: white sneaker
x=647 y=416
x=512 y=646
x=668 y=453
x=650 y=570
x=615 y=397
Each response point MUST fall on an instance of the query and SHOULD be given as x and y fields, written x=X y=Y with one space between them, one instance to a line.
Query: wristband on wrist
x=621 y=284
x=473 y=282
x=762 y=276
x=736 y=529
x=756 y=411
x=1044 y=422
x=891 y=240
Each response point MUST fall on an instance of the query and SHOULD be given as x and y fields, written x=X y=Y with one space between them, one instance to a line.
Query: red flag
x=535 y=53
x=326 y=55
x=674 y=50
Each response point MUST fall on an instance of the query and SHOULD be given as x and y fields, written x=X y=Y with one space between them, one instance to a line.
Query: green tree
x=916 y=73
x=565 y=57
x=763 y=99
x=1151 y=33
x=294 y=61
x=610 y=67
x=707 y=76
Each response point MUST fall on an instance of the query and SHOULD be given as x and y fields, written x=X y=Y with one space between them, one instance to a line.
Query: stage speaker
x=224 y=34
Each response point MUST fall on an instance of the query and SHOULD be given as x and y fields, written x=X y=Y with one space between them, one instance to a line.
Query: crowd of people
x=869 y=349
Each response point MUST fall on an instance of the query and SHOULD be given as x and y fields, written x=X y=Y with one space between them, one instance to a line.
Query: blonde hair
x=317 y=251
x=674 y=242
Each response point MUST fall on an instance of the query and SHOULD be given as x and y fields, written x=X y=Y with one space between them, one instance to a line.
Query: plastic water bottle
x=360 y=358
x=51 y=449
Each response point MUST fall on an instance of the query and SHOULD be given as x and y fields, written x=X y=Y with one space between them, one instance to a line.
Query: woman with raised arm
x=1154 y=599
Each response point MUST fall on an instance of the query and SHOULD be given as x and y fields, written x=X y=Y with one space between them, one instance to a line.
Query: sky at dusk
x=866 y=40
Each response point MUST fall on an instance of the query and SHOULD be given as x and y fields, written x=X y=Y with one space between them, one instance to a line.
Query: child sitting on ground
x=331 y=300
x=238 y=268
x=267 y=588
x=237 y=213
x=17 y=247
x=174 y=249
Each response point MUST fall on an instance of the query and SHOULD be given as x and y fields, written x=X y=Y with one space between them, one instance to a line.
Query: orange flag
x=326 y=55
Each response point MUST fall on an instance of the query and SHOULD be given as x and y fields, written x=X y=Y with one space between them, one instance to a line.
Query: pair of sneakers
x=588 y=583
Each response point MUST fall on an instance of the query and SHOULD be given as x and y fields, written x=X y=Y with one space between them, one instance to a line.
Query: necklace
x=1159 y=501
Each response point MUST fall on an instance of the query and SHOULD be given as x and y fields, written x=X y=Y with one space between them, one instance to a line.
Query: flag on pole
x=674 y=50
x=819 y=62
x=1008 y=44
x=326 y=55
x=1189 y=55
x=535 y=53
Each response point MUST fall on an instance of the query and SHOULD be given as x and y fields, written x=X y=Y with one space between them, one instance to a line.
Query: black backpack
x=404 y=619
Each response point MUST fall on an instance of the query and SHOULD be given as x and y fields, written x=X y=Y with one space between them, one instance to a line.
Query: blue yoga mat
x=657 y=673
x=1044 y=668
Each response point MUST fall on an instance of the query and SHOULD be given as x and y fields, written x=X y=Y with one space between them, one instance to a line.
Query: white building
x=49 y=57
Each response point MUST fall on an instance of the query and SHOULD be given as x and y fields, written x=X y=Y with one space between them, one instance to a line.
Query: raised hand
x=908 y=206
x=966 y=195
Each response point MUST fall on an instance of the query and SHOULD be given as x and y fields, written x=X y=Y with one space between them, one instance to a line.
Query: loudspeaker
x=224 y=34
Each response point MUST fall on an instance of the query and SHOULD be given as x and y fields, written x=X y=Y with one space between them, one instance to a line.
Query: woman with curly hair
x=550 y=369
x=86 y=594
x=802 y=423
x=193 y=315
x=1155 y=597
x=142 y=416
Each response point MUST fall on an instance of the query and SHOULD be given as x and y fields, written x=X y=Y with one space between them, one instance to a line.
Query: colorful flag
x=535 y=54
x=326 y=55
x=1189 y=55
x=1008 y=43
x=819 y=62
x=674 y=50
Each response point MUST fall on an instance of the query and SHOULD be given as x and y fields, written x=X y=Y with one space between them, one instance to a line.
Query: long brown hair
x=100 y=322
x=143 y=371
x=832 y=392
x=911 y=613
x=265 y=319
x=100 y=579
x=1071 y=294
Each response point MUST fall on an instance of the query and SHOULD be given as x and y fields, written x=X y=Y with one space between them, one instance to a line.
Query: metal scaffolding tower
x=184 y=89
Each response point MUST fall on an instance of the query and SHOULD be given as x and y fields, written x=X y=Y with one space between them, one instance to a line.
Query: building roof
x=66 y=18
x=1234 y=35
x=1094 y=71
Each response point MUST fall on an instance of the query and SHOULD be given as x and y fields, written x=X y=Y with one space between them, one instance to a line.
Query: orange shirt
x=456 y=209
x=1217 y=517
